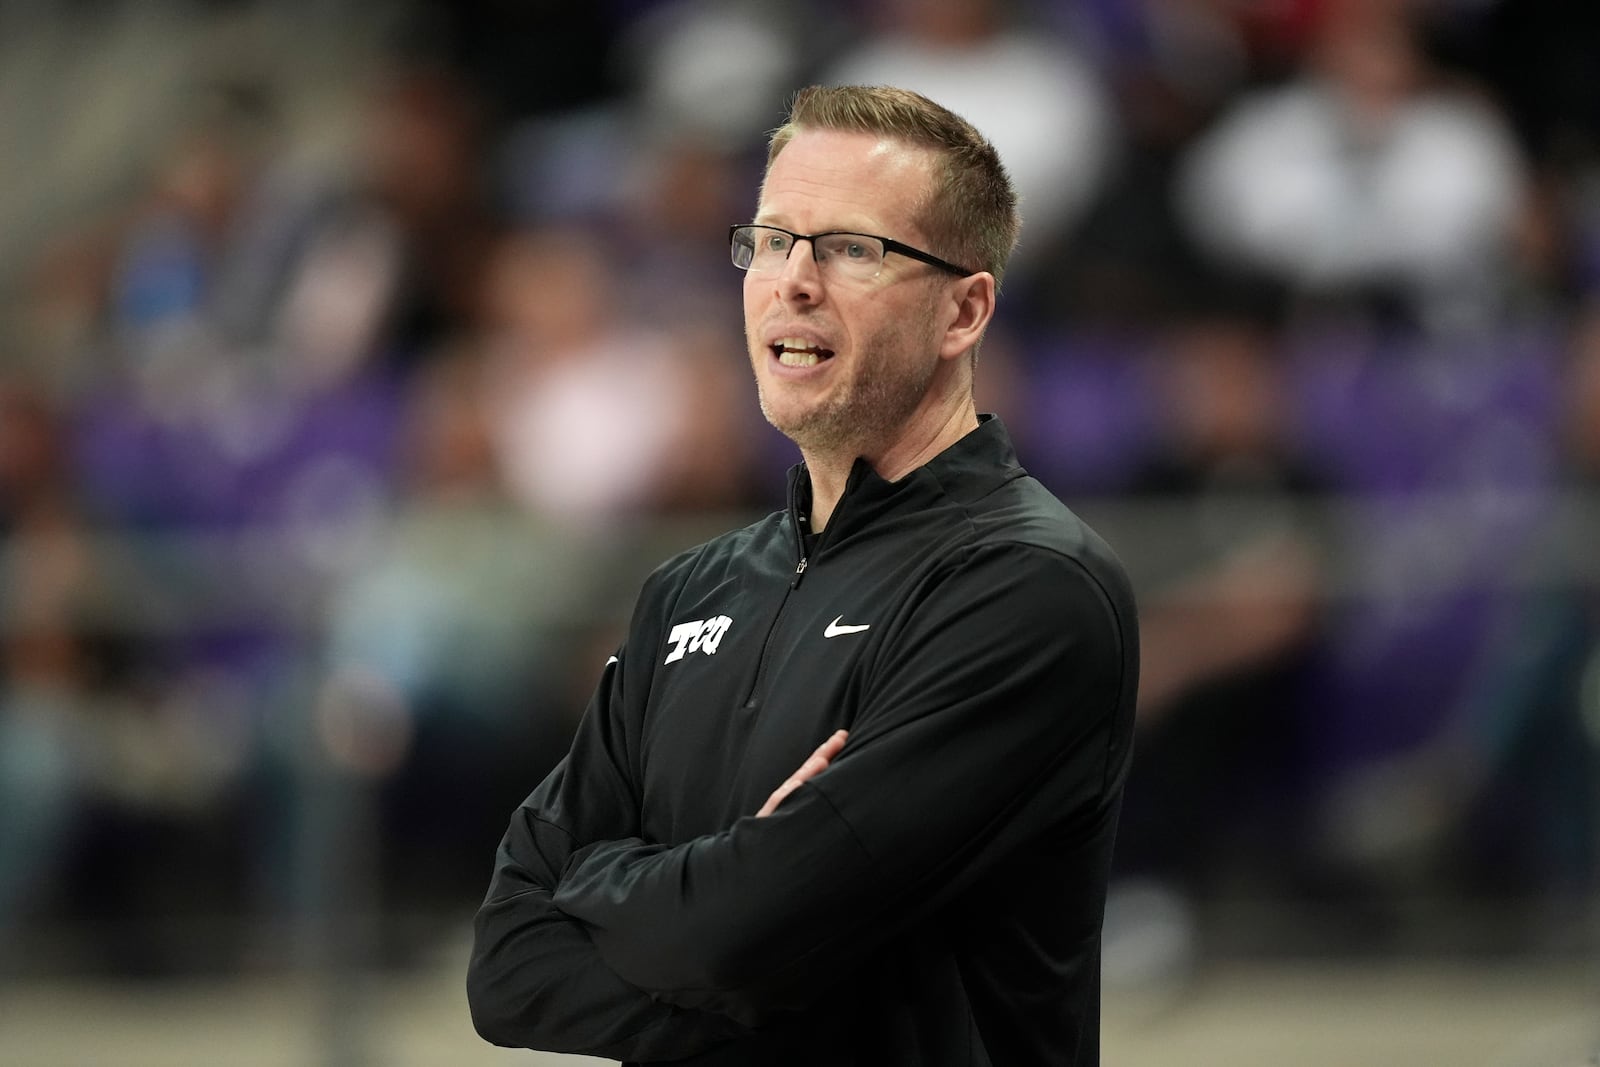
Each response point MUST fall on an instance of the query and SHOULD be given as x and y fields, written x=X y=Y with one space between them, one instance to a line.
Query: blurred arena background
x=357 y=360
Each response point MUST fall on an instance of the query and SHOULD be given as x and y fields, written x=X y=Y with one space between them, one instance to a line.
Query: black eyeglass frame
x=889 y=245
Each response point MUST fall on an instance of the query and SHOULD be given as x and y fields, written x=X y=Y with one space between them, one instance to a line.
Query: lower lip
x=784 y=370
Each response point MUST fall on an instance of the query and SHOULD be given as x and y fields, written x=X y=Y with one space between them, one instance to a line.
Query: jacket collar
x=969 y=469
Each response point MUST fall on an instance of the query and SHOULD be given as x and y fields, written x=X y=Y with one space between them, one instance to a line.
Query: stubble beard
x=867 y=412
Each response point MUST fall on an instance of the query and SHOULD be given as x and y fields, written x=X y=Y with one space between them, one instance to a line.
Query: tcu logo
x=697 y=636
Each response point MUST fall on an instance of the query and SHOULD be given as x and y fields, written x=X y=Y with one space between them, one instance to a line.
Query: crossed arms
x=973 y=739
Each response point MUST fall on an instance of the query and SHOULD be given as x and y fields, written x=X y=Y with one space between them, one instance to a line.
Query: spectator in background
x=1506 y=804
x=682 y=182
x=697 y=81
x=1539 y=58
x=1126 y=263
x=539 y=57
x=714 y=68
x=45 y=580
x=1229 y=620
x=421 y=167
x=982 y=61
x=592 y=415
x=1366 y=181
x=445 y=655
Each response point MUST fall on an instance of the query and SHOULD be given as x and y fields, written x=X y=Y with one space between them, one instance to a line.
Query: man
x=956 y=652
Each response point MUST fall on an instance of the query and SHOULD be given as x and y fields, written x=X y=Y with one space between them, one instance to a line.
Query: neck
x=829 y=470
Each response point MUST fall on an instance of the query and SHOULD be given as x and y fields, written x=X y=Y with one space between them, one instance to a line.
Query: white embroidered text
x=697 y=636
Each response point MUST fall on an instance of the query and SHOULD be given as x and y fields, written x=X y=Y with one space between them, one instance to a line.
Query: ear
x=969 y=305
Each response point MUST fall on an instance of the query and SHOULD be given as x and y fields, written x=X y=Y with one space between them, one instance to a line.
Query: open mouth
x=793 y=352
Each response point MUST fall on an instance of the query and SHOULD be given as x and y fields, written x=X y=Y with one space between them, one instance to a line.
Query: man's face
x=843 y=367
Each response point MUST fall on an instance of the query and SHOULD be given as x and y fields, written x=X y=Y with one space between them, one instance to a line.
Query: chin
x=787 y=423
x=797 y=426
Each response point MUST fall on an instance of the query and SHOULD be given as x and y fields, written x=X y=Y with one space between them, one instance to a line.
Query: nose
x=800 y=280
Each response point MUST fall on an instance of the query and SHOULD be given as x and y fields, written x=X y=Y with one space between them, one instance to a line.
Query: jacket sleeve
x=999 y=706
x=536 y=979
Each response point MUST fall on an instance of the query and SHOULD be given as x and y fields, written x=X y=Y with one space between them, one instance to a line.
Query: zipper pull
x=798 y=571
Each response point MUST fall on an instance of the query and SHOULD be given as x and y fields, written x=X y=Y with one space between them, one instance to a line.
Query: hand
x=814 y=765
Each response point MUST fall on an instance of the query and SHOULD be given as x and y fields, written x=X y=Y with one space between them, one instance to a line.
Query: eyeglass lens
x=764 y=249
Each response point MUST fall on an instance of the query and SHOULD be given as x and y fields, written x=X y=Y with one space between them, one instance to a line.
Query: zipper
x=794 y=583
x=772 y=628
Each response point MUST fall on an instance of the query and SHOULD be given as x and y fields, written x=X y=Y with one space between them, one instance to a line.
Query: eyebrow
x=783 y=222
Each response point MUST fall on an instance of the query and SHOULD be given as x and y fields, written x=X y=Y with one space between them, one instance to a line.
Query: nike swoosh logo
x=834 y=629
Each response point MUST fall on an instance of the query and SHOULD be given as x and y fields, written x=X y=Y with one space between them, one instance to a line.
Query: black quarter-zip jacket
x=935 y=897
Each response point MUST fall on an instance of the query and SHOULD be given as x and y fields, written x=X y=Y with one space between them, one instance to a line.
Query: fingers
x=818 y=761
x=814 y=765
x=789 y=786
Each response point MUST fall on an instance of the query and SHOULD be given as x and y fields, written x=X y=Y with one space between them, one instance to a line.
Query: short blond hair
x=971 y=215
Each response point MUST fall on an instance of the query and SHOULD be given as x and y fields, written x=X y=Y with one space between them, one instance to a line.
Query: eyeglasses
x=854 y=256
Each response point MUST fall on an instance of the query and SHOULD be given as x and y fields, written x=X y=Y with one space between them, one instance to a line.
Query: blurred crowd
x=326 y=474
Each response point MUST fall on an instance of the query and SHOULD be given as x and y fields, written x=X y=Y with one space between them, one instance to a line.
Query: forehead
x=839 y=180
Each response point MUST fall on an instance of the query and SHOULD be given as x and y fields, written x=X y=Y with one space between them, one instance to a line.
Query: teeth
x=797 y=352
